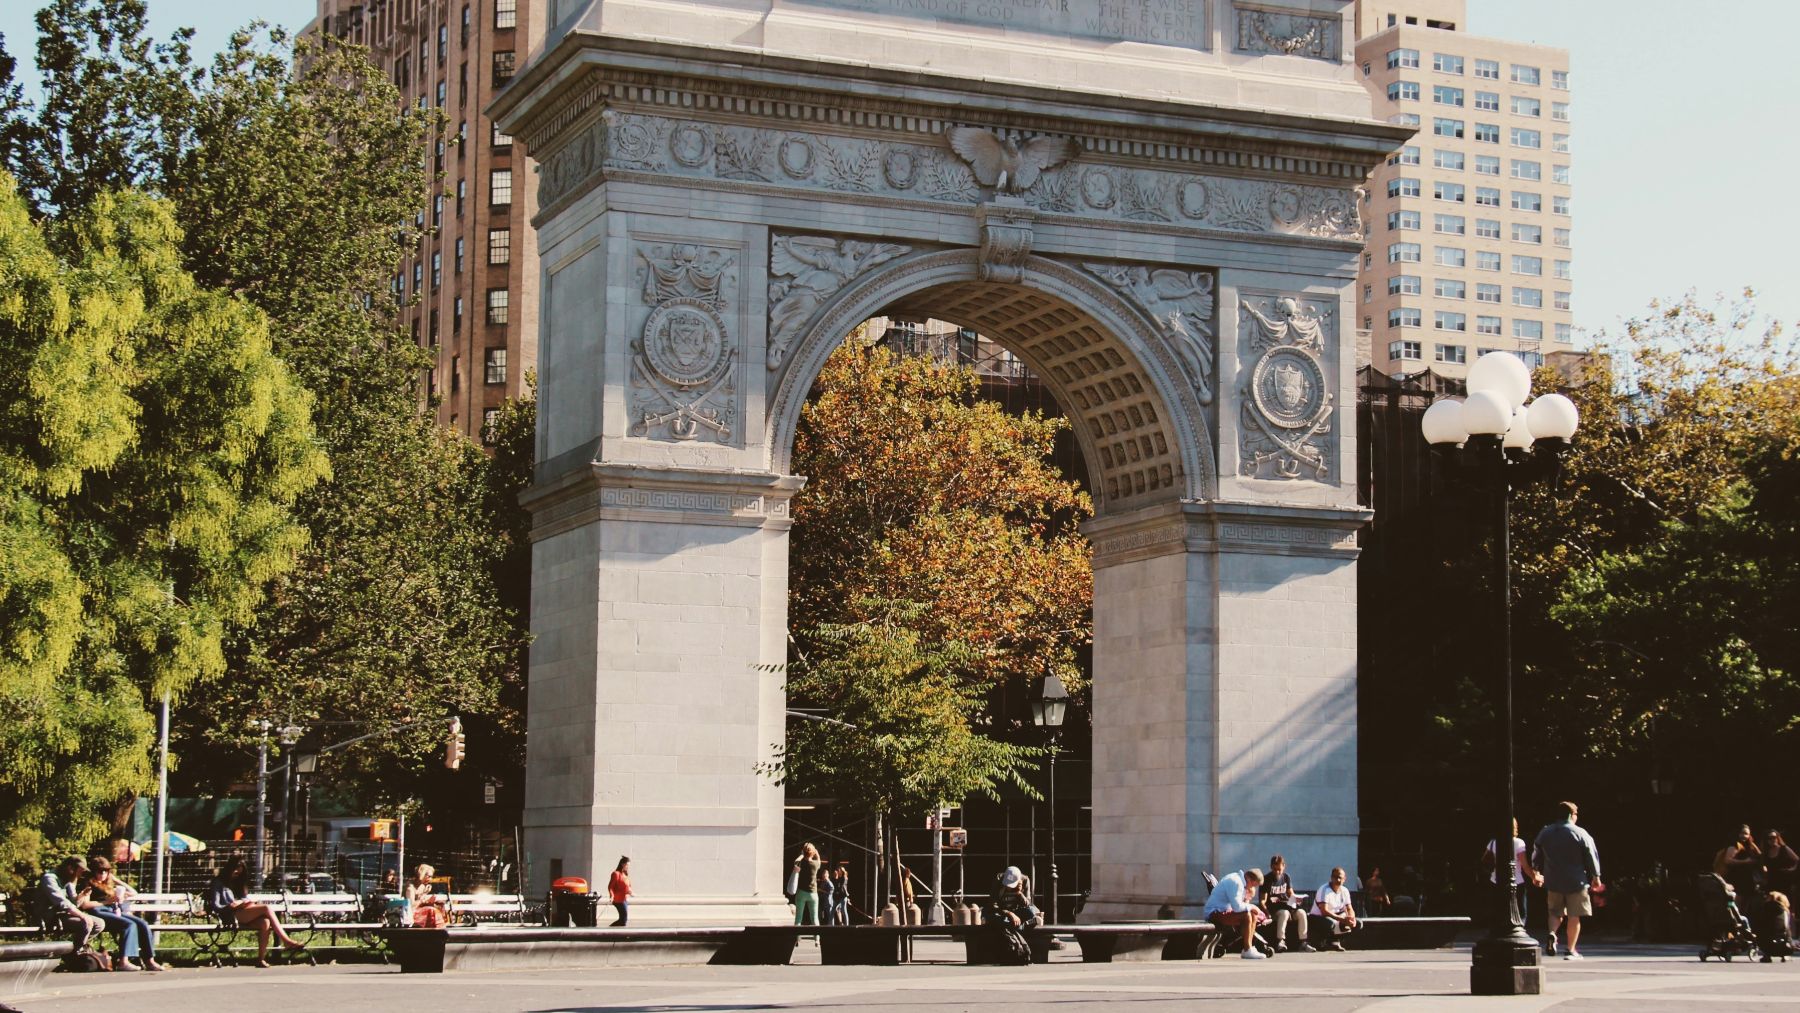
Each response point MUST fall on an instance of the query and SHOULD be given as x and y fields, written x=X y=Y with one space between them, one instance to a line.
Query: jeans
x=840 y=911
x=624 y=909
x=133 y=932
x=1281 y=918
x=806 y=908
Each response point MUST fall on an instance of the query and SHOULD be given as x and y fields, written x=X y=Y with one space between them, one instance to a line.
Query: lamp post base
x=1506 y=967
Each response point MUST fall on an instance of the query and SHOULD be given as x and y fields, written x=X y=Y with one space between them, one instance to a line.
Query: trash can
x=572 y=904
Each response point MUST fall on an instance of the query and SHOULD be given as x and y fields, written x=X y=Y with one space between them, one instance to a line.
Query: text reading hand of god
x=1162 y=22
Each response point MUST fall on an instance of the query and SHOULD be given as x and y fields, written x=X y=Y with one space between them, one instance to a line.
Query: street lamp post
x=1047 y=712
x=290 y=737
x=262 y=798
x=1503 y=444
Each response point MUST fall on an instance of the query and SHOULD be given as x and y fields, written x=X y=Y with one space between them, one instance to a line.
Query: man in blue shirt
x=1231 y=906
x=1570 y=864
x=55 y=901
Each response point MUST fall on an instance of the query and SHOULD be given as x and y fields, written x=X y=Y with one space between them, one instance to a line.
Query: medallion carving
x=1183 y=304
x=804 y=272
x=1288 y=33
x=682 y=383
x=1285 y=416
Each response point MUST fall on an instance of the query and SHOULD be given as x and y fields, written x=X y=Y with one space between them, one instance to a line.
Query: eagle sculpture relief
x=1004 y=164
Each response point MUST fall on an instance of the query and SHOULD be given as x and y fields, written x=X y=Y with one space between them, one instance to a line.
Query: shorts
x=1230 y=919
x=1575 y=903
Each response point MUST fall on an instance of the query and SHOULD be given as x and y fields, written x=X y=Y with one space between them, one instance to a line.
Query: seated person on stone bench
x=1011 y=903
x=1232 y=907
x=55 y=902
x=1282 y=905
x=1333 y=910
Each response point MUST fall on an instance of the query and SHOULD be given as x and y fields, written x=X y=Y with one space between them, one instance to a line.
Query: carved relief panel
x=684 y=357
x=1183 y=304
x=804 y=273
x=1285 y=391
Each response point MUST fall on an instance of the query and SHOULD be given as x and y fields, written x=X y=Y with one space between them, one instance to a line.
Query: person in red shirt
x=618 y=889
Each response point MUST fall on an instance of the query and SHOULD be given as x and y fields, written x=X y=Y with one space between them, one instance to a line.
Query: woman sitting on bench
x=428 y=911
x=225 y=897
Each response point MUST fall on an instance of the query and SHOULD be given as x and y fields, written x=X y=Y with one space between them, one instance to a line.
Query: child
x=1775 y=928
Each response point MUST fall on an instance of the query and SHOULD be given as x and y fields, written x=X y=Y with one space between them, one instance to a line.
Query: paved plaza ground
x=1638 y=979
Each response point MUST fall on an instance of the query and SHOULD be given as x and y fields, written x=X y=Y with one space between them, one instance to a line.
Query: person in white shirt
x=1232 y=906
x=1522 y=872
x=1333 y=905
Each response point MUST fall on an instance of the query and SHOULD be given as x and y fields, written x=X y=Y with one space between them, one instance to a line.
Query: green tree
x=151 y=448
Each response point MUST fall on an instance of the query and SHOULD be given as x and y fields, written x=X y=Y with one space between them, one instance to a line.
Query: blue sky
x=1685 y=153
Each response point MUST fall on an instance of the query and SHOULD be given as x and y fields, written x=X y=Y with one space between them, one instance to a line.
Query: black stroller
x=1772 y=934
x=1728 y=932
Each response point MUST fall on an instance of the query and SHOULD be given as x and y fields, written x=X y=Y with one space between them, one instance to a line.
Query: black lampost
x=1503 y=445
x=1047 y=712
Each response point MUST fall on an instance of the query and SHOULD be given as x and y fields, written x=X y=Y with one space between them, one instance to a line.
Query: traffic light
x=454 y=748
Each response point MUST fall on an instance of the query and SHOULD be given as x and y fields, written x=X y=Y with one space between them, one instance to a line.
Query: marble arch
x=1155 y=204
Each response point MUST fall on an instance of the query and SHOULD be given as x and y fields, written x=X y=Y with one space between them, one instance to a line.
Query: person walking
x=1571 y=864
x=1779 y=863
x=806 y=885
x=618 y=890
x=840 y=894
x=1522 y=871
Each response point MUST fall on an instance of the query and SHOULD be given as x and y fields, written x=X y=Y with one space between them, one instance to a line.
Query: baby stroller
x=1773 y=936
x=1728 y=932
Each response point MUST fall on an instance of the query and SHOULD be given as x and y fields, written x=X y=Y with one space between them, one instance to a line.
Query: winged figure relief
x=1005 y=164
x=804 y=272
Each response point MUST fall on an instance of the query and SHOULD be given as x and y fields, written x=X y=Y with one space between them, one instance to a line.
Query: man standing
x=1232 y=906
x=56 y=903
x=1571 y=864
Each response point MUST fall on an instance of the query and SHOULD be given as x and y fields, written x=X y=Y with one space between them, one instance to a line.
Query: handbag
x=793 y=882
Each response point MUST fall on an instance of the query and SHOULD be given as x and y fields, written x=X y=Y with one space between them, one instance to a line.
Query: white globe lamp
x=1501 y=373
x=1553 y=416
x=1518 y=437
x=1486 y=413
x=1442 y=423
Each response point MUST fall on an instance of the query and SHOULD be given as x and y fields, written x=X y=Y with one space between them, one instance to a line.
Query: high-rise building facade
x=1469 y=224
x=470 y=286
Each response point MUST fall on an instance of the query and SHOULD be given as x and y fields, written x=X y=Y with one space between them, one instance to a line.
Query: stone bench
x=430 y=951
x=23 y=965
x=1404 y=933
x=1142 y=941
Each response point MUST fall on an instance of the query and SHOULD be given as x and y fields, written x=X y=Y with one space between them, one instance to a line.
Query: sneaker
x=1572 y=955
x=1255 y=955
x=1550 y=947
x=1308 y=948
x=1281 y=948
x=1336 y=947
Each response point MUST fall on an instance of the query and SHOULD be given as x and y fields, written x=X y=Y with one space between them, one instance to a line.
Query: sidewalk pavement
x=1629 y=979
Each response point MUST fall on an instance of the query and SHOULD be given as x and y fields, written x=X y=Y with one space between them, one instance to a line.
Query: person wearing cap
x=1011 y=905
x=55 y=898
x=1232 y=906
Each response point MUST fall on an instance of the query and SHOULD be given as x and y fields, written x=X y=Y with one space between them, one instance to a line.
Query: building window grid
x=1487 y=292
x=1406 y=284
x=1405 y=316
x=1487 y=260
x=500 y=187
x=494 y=366
x=498 y=305
x=1522 y=74
x=1487 y=69
x=1445 y=95
x=1451 y=192
x=1445 y=159
x=1447 y=128
x=500 y=246
x=1487 y=196
x=1408 y=155
x=1524 y=138
x=1487 y=228
x=1533 y=266
x=1448 y=288
x=506 y=13
x=1449 y=256
x=1487 y=133
x=1528 y=330
x=1532 y=234
x=1451 y=225
x=1487 y=165
x=1404 y=253
x=1560 y=300
x=1398 y=58
x=1488 y=325
x=1525 y=105
x=1529 y=298
x=1564 y=270
x=1487 y=101
x=1444 y=320
x=1403 y=186
x=1559 y=111
x=1446 y=63
x=1455 y=355
x=1559 y=205
x=1403 y=91
x=1412 y=350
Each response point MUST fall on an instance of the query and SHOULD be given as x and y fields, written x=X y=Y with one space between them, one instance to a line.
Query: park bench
x=1141 y=941
x=307 y=915
x=487 y=908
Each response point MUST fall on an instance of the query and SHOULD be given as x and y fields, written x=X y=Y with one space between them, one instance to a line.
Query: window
x=443 y=43
x=1448 y=288
x=1487 y=133
x=501 y=140
x=1524 y=105
x=1487 y=165
x=437 y=211
x=1447 y=159
x=1404 y=350
x=1449 y=224
x=1444 y=63
x=437 y=269
x=1403 y=91
x=1446 y=321
x=490 y=417
x=455 y=373
x=1559 y=174
x=1488 y=196
x=1527 y=169
x=506 y=13
x=1559 y=204
x=418 y=276
x=1487 y=260
x=462 y=191
x=1454 y=354
x=1522 y=264
x=1405 y=284
x=1528 y=330
x=1445 y=95
x=1403 y=220
x=1559 y=143
x=1368 y=259
x=494 y=366
x=459 y=254
x=499 y=246
x=1561 y=238
x=1530 y=298
x=1403 y=187
x=1449 y=256
x=1487 y=325
x=500 y=186
x=1559 y=79
x=1487 y=69
x=462 y=89
x=1559 y=111
x=1487 y=101
x=1525 y=201
x=1447 y=128
x=1408 y=155
x=505 y=62
x=1523 y=138
x=1405 y=316
x=1485 y=292
x=497 y=304
x=1524 y=75
x=465 y=26
x=1565 y=333
x=1405 y=119
x=1560 y=300
x=1368 y=293
x=456 y=313
x=1564 y=270
x=1452 y=192
x=1522 y=233
x=1487 y=228
x=1398 y=58
x=1404 y=253
x=443 y=93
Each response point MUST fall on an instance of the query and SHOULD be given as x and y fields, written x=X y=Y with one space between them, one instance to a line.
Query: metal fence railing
x=351 y=867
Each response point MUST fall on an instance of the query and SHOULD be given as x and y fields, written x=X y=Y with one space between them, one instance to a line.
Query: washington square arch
x=1153 y=203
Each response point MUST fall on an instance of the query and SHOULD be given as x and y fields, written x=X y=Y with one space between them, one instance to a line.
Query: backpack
x=1015 y=949
x=83 y=961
